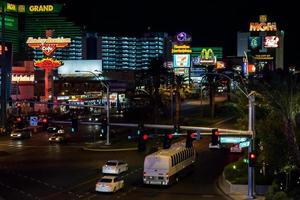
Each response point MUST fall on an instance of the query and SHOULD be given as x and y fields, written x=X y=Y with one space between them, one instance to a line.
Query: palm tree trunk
x=178 y=103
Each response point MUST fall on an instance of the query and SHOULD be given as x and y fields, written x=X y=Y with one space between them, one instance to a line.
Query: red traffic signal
x=145 y=136
x=252 y=155
x=252 y=159
x=170 y=136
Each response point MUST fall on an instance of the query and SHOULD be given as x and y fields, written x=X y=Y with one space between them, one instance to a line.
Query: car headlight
x=96 y=119
x=19 y=135
x=57 y=139
x=11 y=135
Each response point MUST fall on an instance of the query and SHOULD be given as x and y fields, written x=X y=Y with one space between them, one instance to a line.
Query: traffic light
x=140 y=128
x=74 y=125
x=189 y=139
x=252 y=159
x=167 y=140
x=103 y=129
x=142 y=140
x=215 y=139
x=176 y=129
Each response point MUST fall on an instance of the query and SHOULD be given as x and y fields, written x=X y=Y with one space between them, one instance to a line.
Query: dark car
x=21 y=133
x=53 y=129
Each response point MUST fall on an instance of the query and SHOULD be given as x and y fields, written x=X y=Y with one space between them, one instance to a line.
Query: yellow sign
x=181 y=49
x=11 y=7
x=207 y=56
x=41 y=8
x=263 y=18
x=263 y=57
x=21 y=8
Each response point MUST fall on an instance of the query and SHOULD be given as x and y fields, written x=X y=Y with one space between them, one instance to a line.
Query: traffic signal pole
x=251 y=180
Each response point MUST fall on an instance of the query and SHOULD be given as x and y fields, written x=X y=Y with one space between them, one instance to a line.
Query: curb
x=106 y=150
x=220 y=187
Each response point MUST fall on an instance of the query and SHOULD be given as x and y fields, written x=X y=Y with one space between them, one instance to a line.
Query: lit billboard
x=182 y=60
x=263 y=25
x=70 y=66
x=11 y=23
x=271 y=41
x=254 y=43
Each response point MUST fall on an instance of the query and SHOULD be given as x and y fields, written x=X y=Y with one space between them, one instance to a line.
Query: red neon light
x=45 y=120
x=47 y=63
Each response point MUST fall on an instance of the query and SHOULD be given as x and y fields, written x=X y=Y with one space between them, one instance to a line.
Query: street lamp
x=251 y=114
x=107 y=100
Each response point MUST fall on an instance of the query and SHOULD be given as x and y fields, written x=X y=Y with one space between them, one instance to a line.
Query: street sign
x=244 y=144
x=232 y=139
x=33 y=121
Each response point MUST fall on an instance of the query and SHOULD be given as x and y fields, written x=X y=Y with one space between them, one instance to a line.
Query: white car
x=109 y=184
x=114 y=167
x=217 y=146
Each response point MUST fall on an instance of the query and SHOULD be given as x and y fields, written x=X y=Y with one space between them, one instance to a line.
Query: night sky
x=210 y=22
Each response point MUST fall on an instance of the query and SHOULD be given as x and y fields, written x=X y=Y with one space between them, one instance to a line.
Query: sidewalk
x=225 y=187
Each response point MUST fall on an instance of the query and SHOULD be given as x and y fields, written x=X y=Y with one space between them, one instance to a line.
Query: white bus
x=168 y=165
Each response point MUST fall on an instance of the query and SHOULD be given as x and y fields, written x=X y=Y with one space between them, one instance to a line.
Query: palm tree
x=282 y=96
x=152 y=78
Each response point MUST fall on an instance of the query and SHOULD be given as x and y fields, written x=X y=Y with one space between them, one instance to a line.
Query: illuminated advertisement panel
x=271 y=42
x=254 y=43
x=182 y=71
x=70 y=66
x=182 y=60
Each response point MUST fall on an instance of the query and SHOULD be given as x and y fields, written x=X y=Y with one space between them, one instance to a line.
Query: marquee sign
x=271 y=42
x=263 y=25
x=48 y=45
x=181 y=49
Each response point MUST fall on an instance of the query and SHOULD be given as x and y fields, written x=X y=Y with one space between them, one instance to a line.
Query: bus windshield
x=156 y=162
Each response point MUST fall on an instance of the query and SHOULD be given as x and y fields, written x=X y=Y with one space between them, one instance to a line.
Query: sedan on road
x=21 y=133
x=109 y=184
x=114 y=167
x=58 y=137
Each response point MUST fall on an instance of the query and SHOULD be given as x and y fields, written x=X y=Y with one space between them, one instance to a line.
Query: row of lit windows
x=131 y=38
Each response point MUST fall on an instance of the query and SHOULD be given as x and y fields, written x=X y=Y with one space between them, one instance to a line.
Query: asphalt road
x=34 y=169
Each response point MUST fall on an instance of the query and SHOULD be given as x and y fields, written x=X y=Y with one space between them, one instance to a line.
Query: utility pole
x=251 y=148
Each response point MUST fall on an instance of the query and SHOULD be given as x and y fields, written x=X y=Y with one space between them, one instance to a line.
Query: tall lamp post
x=251 y=117
x=107 y=100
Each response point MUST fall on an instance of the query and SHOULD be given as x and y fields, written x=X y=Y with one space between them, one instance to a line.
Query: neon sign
x=181 y=49
x=271 y=42
x=41 y=8
x=263 y=25
x=207 y=57
x=48 y=45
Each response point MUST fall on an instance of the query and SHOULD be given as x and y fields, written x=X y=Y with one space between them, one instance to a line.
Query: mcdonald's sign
x=207 y=57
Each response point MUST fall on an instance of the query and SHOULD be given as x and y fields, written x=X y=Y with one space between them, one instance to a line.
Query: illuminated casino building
x=23 y=21
x=262 y=47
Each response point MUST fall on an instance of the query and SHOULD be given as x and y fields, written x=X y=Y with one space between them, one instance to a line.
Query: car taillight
x=145 y=173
